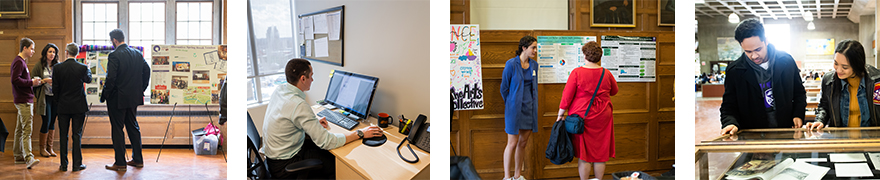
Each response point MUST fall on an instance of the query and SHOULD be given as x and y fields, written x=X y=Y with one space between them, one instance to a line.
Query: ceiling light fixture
x=811 y=26
x=808 y=16
x=733 y=18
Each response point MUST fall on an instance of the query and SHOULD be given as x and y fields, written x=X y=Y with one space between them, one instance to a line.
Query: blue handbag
x=574 y=124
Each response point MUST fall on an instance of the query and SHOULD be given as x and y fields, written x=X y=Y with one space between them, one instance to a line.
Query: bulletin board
x=186 y=74
x=559 y=55
x=465 y=71
x=321 y=35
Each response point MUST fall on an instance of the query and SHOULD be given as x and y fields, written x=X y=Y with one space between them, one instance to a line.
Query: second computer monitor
x=352 y=92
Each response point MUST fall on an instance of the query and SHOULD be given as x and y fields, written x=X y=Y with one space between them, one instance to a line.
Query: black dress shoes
x=80 y=167
x=62 y=168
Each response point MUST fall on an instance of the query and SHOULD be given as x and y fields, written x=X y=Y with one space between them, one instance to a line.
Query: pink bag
x=211 y=129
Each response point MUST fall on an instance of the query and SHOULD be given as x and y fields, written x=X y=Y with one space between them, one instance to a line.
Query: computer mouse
x=375 y=141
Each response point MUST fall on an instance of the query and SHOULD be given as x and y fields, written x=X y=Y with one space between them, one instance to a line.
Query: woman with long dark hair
x=849 y=95
x=44 y=102
x=519 y=89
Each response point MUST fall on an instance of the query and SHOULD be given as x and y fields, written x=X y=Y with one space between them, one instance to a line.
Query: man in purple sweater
x=23 y=98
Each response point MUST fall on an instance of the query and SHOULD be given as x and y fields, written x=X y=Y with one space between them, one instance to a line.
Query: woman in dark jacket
x=850 y=93
x=519 y=90
x=43 y=98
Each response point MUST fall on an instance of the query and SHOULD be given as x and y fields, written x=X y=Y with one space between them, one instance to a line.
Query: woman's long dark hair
x=525 y=41
x=854 y=53
x=46 y=50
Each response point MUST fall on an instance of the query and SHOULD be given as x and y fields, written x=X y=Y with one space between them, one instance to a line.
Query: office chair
x=258 y=168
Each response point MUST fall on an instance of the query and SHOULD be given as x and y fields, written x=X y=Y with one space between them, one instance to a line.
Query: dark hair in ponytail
x=525 y=41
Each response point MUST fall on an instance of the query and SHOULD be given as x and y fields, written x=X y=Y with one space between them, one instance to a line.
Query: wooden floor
x=707 y=118
x=173 y=164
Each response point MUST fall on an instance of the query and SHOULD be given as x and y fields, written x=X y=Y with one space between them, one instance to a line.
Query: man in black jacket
x=71 y=102
x=763 y=88
x=128 y=76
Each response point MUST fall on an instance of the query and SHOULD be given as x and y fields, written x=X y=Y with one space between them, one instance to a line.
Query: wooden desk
x=713 y=90
x=357 y=161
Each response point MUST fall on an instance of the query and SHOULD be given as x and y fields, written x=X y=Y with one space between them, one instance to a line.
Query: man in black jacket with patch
x=763 y=88
x=128 y=76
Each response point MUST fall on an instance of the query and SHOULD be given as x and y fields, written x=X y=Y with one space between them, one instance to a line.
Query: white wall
x=388 y=39
x=520 y=14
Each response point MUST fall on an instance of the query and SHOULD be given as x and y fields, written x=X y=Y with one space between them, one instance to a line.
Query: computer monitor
x=352 y=92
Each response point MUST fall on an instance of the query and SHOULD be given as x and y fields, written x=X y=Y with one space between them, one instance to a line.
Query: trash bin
x=204 y=144
x=642 y=175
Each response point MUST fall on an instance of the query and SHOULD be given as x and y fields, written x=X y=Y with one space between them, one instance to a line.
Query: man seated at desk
x=289 y=119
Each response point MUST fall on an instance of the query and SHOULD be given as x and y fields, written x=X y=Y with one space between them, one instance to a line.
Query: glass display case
x=717 y=156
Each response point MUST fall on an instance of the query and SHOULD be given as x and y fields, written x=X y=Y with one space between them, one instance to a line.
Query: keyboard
x=338 y=119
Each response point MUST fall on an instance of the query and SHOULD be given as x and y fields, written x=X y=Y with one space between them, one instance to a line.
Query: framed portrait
x=14 y=9
x=666 y=17
x=613 y=13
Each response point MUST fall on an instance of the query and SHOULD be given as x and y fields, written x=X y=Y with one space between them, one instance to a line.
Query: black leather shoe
x=62 y=168
x=80 y=167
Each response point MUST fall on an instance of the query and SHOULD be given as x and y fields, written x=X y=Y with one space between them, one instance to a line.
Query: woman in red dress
x=595 y=145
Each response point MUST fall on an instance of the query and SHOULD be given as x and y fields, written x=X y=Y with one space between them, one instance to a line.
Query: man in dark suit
x=128 y=76
x=71 y=102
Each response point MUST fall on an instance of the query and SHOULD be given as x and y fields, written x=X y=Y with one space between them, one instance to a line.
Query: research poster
x=559 y=55
x=630 y=59
x=97 y=62
x=465 y=68
x=186 y=74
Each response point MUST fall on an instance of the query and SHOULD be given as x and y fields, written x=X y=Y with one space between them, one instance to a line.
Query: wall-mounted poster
x=186 y=74
x=820 y=46
x=728 y=49
x=466 y=83
x=630 y=59
x=559 y=55
x=613 y=13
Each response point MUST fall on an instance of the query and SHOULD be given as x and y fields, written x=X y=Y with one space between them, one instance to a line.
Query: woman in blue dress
x=519 y=89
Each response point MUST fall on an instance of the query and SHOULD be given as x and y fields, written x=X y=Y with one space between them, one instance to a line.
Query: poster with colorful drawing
x=186 y=74
x=820 y=46
x=466 y=85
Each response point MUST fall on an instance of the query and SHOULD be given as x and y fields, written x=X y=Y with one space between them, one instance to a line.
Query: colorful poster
x=97 y=63
x=820 y=46
x=466 y=83
x=186 y=74
x=630 y=59
x=559 y=55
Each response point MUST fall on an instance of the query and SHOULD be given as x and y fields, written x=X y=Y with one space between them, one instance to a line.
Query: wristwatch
x=360 y=133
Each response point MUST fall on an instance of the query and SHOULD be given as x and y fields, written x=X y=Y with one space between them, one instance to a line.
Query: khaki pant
x=24 y=125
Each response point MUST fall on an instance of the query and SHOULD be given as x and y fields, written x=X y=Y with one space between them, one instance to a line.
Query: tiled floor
x=173 y=164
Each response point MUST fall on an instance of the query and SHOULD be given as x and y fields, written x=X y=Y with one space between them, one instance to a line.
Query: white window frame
x=170 y=18
x=256 y=77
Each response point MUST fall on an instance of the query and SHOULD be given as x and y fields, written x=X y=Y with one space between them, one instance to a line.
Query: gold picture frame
x=666 y=13
x=612 y=13
x=14 y=9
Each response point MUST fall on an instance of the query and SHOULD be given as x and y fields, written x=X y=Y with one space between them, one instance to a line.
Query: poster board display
x=466 y=82
x=630 y=59
x=321 y=35
x=559 y=55
x=186 y=74
x=97 y=62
